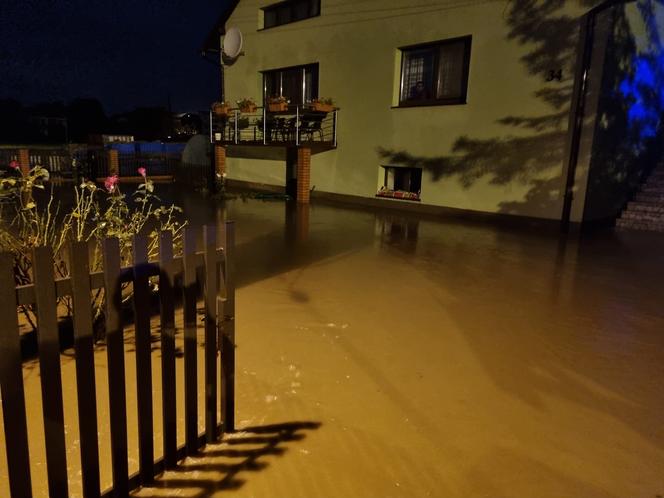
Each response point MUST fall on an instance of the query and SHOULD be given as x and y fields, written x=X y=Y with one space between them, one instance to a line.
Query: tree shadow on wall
x=534 y=160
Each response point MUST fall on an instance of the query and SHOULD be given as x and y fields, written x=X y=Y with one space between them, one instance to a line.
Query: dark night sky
x=126 y=53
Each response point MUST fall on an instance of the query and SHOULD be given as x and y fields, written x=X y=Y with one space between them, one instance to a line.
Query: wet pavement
x=443 y=359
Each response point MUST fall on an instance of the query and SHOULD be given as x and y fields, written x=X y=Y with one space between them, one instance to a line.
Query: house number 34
x=554 y=74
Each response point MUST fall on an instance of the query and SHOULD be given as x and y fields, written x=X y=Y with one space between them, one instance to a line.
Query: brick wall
x=303 y=174
x=219 y=160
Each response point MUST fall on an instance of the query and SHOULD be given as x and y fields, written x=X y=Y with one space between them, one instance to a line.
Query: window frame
x=276 y=5
x=302 y=67
x=465 y=71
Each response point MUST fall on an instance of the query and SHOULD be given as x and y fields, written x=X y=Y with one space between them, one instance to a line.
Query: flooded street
x=443 y=359
x=389 y=355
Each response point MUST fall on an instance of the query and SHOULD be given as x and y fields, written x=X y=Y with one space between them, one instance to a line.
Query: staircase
x=646 y=211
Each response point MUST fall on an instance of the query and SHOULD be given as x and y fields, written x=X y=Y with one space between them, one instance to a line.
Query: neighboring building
x=110 y=139
x=454 y=104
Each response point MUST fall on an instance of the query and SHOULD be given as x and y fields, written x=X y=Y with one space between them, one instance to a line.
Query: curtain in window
x=450 y=71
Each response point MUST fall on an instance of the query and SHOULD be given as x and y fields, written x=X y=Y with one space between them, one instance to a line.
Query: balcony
x=296 y=126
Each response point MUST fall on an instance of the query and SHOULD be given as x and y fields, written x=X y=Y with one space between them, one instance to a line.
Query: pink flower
x=142 y=172
x=14 y=164
x=111 y=182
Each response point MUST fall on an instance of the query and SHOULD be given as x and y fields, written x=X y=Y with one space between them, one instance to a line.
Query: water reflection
x=296 y=221
x=397 y=231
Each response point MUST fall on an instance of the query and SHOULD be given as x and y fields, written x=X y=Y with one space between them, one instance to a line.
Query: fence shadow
x=238 y=452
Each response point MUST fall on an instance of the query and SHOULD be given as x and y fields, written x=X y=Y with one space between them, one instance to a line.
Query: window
x=435 y=73
x=401 y=183
x=289 y=11
x=298 y=84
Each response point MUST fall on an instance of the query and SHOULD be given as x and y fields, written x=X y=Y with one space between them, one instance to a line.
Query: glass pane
x=292 y=85
x=301 y=10
x=314 y=7
x=418 y=77
x=270 y=18
x=284 y=15
x=311 y=79
x=449 y=84
x=271 y=81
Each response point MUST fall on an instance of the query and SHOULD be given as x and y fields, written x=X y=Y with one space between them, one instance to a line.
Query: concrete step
x=654 y=189
x=647 y=207
x=649 y=197
x=625 y=224
x=654 y=183
x=642 y=216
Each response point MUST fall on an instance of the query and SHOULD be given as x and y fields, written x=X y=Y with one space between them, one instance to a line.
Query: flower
x=14 y=164
x=111 y=182
x=142 y=172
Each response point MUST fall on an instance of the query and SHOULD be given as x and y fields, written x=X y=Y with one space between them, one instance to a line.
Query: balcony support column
x=219 y=174
x=303 y=174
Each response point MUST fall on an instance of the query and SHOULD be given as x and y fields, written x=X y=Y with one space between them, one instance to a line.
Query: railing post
x=334 y=126
x=236 y=126
x=297 y=125
x=264 y=125
x=211 y=130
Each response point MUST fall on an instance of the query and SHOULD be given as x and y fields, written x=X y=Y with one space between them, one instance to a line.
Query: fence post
x=113 y=163
x=190 y=342
x=210 y=262
x=49 y=366
x=141 y=284
x=117 y=395
x=227 y=332
x=79 y=271
x=167 y=317
x=11 y=385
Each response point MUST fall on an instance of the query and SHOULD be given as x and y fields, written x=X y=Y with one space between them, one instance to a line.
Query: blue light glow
x=643 y=87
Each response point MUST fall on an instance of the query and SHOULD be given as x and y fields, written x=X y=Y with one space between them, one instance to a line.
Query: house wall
x=503 y=151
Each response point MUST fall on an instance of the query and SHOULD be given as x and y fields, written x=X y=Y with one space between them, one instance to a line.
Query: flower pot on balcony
x=321 y=107
x=277 y=106
x=249 y=108
x=221 y=109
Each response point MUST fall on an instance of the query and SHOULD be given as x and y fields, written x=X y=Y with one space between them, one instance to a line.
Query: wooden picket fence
x=213 y=265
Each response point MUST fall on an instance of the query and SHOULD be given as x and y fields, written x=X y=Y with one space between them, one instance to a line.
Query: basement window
x=401 y=183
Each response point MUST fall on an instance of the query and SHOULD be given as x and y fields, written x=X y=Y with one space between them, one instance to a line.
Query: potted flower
x=277 y=104
x=221 y=108
x=248 y=106
x=323 y=105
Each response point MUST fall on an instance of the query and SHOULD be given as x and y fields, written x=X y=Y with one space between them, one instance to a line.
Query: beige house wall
x=503 y=151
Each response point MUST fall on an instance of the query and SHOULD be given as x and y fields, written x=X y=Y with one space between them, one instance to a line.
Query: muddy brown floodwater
x=384 y=355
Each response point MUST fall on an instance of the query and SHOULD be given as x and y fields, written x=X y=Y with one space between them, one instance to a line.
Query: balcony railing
x=298 y=125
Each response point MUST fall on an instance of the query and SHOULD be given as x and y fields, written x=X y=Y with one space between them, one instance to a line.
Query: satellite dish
x=232 y=44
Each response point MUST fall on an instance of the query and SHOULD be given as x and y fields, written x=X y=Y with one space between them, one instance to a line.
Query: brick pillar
x=303 y=174
x=302 y=222
x=24 y=161
x=219 y=160
x=113 y=163
x=24 y=166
